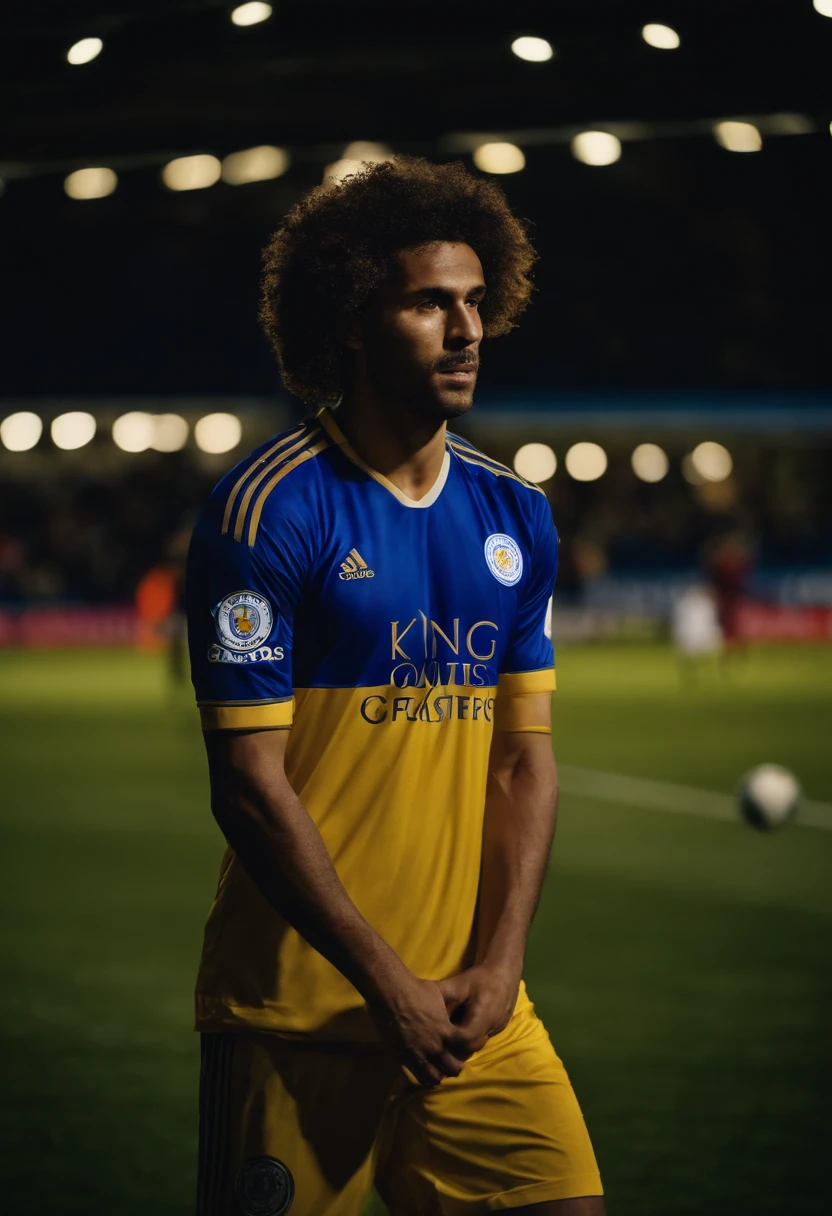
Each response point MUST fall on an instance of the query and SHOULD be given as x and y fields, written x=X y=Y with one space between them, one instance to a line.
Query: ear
x=354 y=335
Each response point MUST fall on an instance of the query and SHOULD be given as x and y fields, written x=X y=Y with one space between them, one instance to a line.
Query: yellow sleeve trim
x=264 y=716
x=521 y=683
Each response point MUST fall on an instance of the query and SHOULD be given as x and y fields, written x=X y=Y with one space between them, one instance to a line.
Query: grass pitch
x=680 y=964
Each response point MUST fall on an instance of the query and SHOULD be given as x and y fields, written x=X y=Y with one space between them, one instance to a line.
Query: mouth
x=463 y=373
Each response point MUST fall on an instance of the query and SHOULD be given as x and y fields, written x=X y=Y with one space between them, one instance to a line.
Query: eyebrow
x=444 y=292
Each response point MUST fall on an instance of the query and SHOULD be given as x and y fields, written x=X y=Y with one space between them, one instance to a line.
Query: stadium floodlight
x=536 y=462
x=738 y=136
x=689 y=471
x=352 y=157
x=90 y=183
x=20 y=432
x=170 y=433
x=133 y=432
x=251 y=14
x=596 y=147
x=712 y=461
x=499 y=158
x=533 y=50
x=663 y=37
x=217 y=433
x=824 y=7
x=84 y=51
x=254 y=165
x=586 y=461
x=192 y=172
x=73 y=430
x=649 y=462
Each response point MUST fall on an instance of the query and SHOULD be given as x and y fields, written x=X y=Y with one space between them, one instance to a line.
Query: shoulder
x=270 y=484
x=491 y=474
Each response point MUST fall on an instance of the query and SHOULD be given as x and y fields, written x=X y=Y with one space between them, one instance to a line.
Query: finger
x=426 y=1074
x=449 y=1064
x=468 y=1041
x=454 y=989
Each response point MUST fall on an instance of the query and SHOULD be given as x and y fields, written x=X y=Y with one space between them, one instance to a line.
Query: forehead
x=442 y=264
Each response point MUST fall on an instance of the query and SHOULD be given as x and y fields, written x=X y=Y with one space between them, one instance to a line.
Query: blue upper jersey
x=310 y=570
x=393 y=636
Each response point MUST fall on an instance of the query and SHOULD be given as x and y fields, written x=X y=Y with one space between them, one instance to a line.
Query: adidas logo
x=355 y=567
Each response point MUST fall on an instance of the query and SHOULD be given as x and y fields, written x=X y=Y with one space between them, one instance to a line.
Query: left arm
x=519 y=826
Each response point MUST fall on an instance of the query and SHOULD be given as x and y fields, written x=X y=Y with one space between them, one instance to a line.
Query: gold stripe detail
x=362 y=565
x=270 y=485
x=229 y=506
x=267 y=716
x=522 y=683
x=498 y=472
x=239 y=527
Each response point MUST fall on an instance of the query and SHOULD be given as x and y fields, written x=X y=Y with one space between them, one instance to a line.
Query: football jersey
x=392 y=635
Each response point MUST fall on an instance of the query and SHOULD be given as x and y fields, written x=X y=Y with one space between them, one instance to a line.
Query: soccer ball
x=768 y=796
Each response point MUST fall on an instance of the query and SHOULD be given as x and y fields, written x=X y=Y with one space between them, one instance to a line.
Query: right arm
x=283 y=852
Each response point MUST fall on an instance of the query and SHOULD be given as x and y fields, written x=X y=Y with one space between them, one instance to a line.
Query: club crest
x=504 y=559
x=264 y=1187
x=244 y=620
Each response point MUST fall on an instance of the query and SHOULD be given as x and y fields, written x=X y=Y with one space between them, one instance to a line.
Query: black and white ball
x=768 y=796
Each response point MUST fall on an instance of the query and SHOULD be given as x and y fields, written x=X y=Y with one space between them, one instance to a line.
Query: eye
x=431 y=304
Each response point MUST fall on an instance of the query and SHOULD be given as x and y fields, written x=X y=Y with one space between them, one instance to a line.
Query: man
x=367 y=602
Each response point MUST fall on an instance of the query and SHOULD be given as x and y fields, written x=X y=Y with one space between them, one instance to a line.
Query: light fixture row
x=135 y=431
x=584 y=461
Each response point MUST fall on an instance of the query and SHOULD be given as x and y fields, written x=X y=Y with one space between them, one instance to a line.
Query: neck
x=407 y=451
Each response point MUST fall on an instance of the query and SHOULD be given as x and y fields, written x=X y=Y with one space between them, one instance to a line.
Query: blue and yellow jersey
x=393 y=636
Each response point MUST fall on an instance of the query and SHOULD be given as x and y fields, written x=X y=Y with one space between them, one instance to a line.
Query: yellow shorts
x=311 y=1127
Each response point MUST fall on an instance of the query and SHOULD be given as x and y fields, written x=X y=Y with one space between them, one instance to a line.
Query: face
x=420 y=342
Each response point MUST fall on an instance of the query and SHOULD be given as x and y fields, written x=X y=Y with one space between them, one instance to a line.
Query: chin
x=453 y=405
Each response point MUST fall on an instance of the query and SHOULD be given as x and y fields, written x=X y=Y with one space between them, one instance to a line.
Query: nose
x=464 y=327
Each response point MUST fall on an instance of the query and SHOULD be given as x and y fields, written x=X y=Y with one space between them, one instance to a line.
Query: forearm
x=519 y=826
x=283 y=852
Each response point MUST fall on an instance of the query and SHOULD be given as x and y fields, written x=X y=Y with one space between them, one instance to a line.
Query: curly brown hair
x=336 y=246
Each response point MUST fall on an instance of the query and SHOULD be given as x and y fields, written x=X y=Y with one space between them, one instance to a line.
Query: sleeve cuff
x=246 y=715
x=521 y=683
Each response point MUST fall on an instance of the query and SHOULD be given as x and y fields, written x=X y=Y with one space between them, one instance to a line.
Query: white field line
x=665 y=796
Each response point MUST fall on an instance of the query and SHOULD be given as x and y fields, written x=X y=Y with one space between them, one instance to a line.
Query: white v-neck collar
x=337 y=436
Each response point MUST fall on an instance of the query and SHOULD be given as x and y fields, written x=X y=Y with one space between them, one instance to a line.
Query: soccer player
x=367 y=602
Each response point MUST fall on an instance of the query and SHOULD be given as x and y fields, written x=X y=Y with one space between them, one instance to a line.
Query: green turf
x=681 y=965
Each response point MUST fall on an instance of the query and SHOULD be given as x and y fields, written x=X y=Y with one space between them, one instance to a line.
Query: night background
x=679 y=959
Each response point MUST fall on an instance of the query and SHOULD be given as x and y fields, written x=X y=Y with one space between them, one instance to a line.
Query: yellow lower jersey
x=293 y=1125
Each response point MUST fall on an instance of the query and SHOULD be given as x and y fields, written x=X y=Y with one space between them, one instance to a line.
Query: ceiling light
x=216 y=433
x=824 y=7
x=90 y=183
x=251 y=14
x=712 y=461
x=738 y=136
x=536 y=462
x=649 y=462
x=170 y=433
x=133 y=432
x=586 y=461
x=499 y=158
x=19 y=432
x=84 y=51
x=254 y=165
x=191 y=172
x=355 y=154
x=663 y=37
x=533 y=50
x=73 y=430
x=596 y=148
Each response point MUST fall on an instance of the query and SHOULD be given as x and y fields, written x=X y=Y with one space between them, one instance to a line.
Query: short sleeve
x=241 y=605
x=528 y=665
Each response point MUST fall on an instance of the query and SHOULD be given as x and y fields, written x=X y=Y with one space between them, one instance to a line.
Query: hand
x=414 y=1021
x=480 y=1002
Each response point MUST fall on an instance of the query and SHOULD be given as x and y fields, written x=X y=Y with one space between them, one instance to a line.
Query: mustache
x=462 y=358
